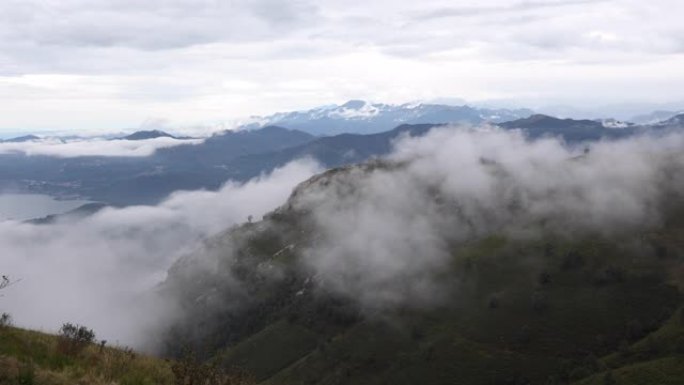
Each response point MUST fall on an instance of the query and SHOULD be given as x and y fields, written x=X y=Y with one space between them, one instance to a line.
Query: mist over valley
x=341 y=193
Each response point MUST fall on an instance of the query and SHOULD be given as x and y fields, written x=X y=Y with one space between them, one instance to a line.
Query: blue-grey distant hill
x=236 y=155
x=654 y=117
x=21 y=139
x=244 y=154
x=140 y=180
x=73 y=215
x=151 y=134
x=583 y=130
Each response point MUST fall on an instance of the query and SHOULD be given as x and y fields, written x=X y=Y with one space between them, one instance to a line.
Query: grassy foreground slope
x=30 y=357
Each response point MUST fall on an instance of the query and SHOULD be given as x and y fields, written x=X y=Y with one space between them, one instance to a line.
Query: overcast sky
x=98 y=64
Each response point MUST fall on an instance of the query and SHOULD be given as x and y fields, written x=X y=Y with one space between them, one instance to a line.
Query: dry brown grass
x=34 y=358
x=28 y=357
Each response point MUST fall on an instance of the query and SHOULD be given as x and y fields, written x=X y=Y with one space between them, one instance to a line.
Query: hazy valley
x=358 y=192
x=528 y=251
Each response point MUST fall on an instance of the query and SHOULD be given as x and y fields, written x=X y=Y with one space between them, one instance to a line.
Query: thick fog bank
x=385 y=230
x=101 y=271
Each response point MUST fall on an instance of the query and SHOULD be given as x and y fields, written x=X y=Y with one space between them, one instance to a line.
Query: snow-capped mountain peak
x=358 y=116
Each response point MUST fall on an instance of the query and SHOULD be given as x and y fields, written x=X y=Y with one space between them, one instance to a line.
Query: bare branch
x=5 y=282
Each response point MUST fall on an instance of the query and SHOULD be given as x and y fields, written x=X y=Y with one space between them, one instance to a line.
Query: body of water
x=21 y=207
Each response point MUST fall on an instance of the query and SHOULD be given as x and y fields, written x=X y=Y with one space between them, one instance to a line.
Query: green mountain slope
x=546 y=309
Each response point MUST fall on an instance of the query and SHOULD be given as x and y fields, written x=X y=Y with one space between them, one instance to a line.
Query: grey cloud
x=176 y=38
x=469 y=11
x=150 y=25
x=160 y=25
x=565 y=30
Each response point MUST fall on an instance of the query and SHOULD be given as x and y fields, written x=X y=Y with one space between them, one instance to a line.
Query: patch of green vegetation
x=471 y=253
x=30 y=357
x=523 y=313
x=272 y=349
x=666 y=341
x=663 y=371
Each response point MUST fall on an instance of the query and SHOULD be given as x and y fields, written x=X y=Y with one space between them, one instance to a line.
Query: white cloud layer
x=384 y=233
x=93 y=147
x=84 y=64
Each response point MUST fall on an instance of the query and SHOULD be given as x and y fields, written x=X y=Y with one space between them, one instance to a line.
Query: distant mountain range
x=21 y=139
x=243 y=154
x=138 y=135
x=72 y=215
x=570 y=130
x=360 y=117
x=153 y=134
x=654 y=117
x=141 y=180
x=236 y=155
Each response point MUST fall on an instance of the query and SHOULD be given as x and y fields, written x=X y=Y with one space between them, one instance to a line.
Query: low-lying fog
x=21 y=207
x=97 y=270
